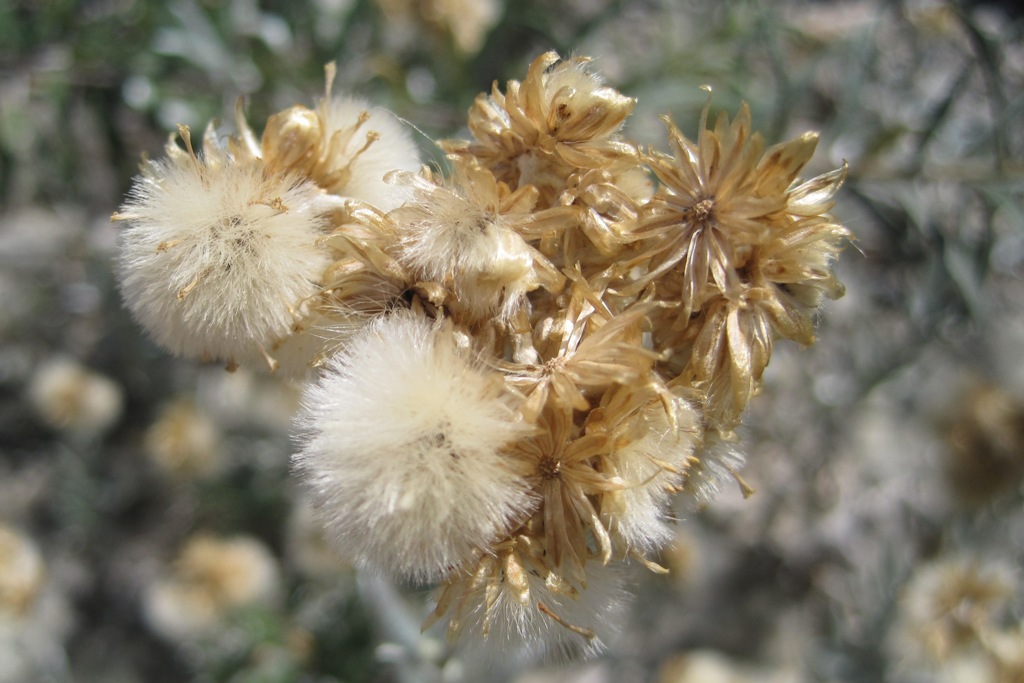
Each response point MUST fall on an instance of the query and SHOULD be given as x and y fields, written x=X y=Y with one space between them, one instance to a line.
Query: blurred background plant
x=149 y=530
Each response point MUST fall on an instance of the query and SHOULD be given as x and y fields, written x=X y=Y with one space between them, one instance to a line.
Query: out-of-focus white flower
x=949 y=607
x=211 y=578
x=71 y=397
x=218 y=255
x=185 y=442
x=34 y=618
x=403 y=451
x=21 y=574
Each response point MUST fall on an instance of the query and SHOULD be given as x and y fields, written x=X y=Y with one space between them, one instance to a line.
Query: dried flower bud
x=292 y=140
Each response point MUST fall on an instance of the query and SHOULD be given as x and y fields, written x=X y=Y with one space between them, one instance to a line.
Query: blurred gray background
x=886 y=537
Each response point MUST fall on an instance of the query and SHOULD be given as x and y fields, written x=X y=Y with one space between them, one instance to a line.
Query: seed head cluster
x=520 y=371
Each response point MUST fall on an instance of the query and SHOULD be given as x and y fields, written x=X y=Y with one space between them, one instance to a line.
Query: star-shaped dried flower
x=720 y=196
x=558 y=120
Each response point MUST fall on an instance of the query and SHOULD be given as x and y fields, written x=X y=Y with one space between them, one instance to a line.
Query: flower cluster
x=514 y=367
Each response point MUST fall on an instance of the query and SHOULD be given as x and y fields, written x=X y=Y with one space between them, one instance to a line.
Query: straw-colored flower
x=562 y=468
x=719 y=197
x=558 y=120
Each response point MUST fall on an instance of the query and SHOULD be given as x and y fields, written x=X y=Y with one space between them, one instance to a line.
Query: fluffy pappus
x=403 y=451
x=217 y=254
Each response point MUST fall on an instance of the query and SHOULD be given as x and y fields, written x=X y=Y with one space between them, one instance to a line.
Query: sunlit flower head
x=720 y=197
x=465 y=238
x=562 y=468
x=585 y=352
x=403 y=451
x=218 y=255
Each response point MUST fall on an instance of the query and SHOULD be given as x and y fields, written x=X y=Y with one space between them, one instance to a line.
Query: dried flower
x=558 y=120
x=465 y=239
x=562 y=468
x=345 y=146
x=739 y=244
x=588 y=349
x=719 y=197
x=403 y=451
x=511 y=604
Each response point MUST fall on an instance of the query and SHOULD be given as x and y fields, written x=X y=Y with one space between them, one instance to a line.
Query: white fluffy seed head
x=653 y=467
x=403 y=451
x=717 y=465
x=518 y=628
x=217 y=254
x=357 y=163
x=456 y=237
